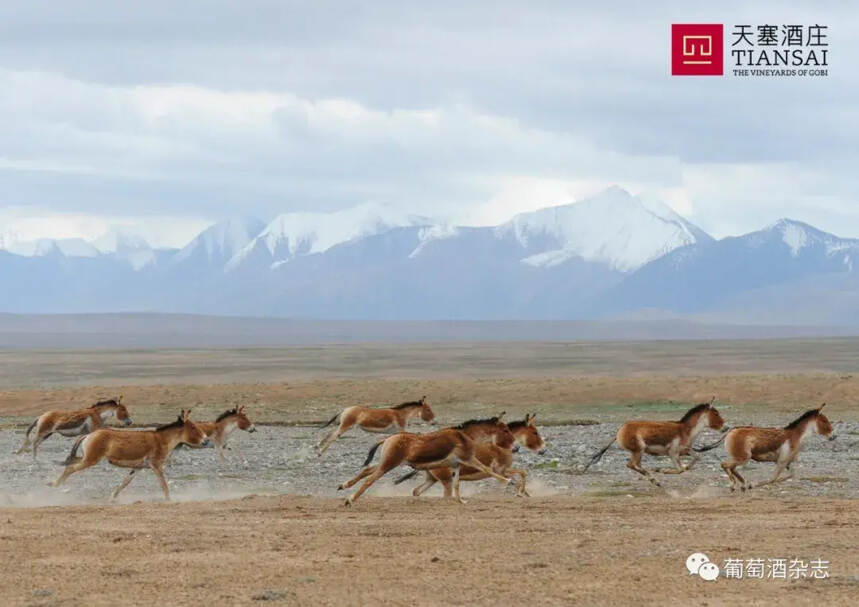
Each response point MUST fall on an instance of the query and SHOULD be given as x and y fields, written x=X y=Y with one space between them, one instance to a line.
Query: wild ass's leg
x=39 y=440
x=634 y=463
x=728 y=467
x=477 y=464
x=378 y=473
x=124 y=484
x=743 y=484
x=429 y=481
x=520 y=489
x=332 y=436
x=780 y=467
x=240 y=454
x=72 y=468
x=456 y=475
x=674 y=452
x=159 y=472
x=26 y=445
x=220 y=449
x=365 y=472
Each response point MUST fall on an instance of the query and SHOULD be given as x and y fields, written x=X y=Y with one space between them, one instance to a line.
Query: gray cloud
x=212 y=108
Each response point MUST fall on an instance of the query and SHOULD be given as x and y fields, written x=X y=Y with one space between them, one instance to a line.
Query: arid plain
x=593 y=538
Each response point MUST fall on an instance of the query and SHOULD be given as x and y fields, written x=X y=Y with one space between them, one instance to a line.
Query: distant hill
x=612 y=256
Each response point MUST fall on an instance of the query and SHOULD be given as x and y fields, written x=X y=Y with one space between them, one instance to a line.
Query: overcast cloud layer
x=169 y=116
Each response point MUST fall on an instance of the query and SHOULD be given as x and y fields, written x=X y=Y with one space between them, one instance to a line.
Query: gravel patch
x=282 y=460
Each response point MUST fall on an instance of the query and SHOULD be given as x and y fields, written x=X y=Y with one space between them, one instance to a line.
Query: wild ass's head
x=427 y=413
x=526 y=433
x=704 y=415
x=189 y=432
x=418 y=407
x=115 y=406
x=239 y=414
x=813 y=420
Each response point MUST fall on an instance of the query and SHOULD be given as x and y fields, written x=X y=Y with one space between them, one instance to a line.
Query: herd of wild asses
x=473 y=450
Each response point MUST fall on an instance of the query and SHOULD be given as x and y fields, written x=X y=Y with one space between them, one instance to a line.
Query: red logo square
x=697 y=49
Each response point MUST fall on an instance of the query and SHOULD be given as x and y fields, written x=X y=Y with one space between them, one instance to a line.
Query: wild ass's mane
x=474 y=422
x=227 y=413
x=412 y=403
x=177 y=424
x=101 y=403
x=805 y=416
x=520 y=423
x=694 y=411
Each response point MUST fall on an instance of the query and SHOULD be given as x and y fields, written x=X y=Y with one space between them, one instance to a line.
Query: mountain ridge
x=609 y=255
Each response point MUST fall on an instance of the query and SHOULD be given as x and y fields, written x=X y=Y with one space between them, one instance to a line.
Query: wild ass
x=664 y=438
x=448 y=447
x=779 y=445
x=219 y=430
x=376 y=420
x=133 y=449
x=74 y=423
x=497 y=458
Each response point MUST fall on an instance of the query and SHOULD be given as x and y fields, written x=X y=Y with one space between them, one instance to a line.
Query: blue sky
x=168 y=116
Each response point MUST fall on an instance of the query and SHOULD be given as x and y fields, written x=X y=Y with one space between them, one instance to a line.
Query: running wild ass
x=219 y=430
x=133 y=449
x=779 y=445
x=449 y=447
x=74 y=423
x=664 y=438
x=376 y=420
x=497 y=458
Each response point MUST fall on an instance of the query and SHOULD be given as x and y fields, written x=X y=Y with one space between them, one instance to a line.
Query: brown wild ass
x=220 y=429
x=390 y=419
x=497 y=458
x=664 y=438
x=74 y=423
x=448 y=447
x=133 y=449
x=779 y=445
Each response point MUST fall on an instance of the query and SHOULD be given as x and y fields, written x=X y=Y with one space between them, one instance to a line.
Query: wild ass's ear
x=713 y=399
x=501 y=416
x=424 y=399
x=119 y=399
x=821 y=406
x=531 y=420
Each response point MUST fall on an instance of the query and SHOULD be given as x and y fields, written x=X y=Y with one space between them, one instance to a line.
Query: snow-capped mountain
x=610 y=255
x=613 y=227
x=220 y=242
x=293 y=234
x=70 y=247
x=787 y=261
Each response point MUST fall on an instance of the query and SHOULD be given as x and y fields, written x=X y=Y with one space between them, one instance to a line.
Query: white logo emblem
x=699 y=563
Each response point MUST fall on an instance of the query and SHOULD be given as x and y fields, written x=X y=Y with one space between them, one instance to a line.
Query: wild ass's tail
x=27 y=436
x=330 y=421
x=713 y=445
x=73 y=456
x=373 y=452
x=598 y=456
x=406 y=477
x=30 y=429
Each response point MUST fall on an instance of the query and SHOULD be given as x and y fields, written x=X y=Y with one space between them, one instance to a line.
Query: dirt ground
x=609 y=543
x=402 y=551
